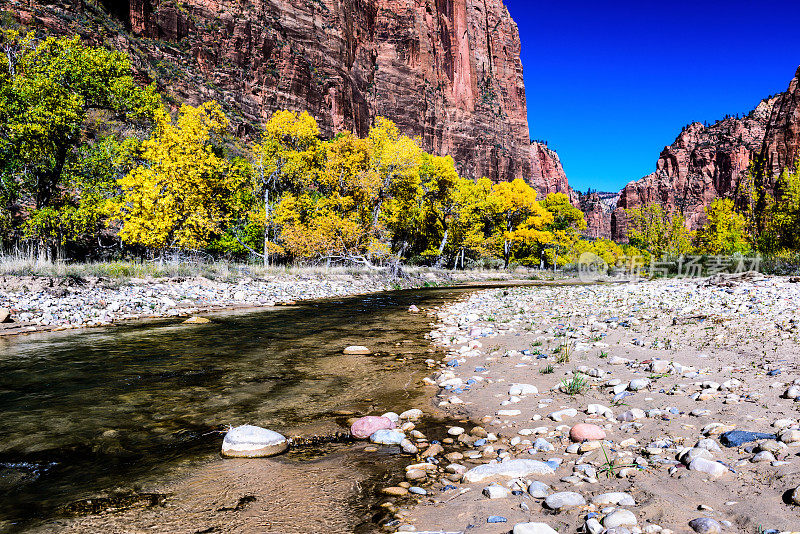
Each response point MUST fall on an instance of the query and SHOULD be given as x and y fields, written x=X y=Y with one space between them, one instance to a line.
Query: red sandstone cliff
x=447 y=71
x=547 y=173
x=782 y=139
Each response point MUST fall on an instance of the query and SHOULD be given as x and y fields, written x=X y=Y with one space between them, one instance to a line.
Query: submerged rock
x=364 y=427
x=248 y=441
x=356 y=350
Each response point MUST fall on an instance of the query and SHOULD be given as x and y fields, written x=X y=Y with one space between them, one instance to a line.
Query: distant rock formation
x=547 y=173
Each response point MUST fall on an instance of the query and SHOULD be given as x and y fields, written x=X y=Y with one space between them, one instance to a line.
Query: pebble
x=538 y=490
x=533 y=528
x=586 y=432
x=615 y=498
x=711 y=468
x=356 y=350
x=518 y=468
x=564 y=499
x=705 y=525
x=387 y=437
x=496 y=491
x=620 y=518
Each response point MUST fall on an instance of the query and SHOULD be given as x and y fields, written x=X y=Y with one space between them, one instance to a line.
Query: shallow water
x=84 y=413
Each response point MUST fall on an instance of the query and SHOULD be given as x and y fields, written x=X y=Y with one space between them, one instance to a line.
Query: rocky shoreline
x=665 y=406
x=40 y=304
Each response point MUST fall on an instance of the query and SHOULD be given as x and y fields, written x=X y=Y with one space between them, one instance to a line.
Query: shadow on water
x=89 y=412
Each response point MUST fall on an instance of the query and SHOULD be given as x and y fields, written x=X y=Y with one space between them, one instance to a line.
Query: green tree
x=660 y=233
x=48 y=91
x=725 y=230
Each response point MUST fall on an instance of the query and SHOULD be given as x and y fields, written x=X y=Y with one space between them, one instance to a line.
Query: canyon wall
x=446 y=71
x=547 y=172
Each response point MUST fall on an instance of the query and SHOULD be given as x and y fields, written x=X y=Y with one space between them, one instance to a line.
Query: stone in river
x=356 y=350
x=586 y=432
x=248 y=441
x=518 y=468
x=5 y=315
x=533 y=528
x=395 y=491
x=364 y=427
x=564 y=499
x=196 y=320
x=387 y=437
x=734 y=438
x=705 y=525
x=411 y=415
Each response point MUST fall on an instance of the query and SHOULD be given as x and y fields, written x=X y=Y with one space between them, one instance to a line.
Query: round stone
x=354 y=350
x=564 y=499
x=248 y=441
x=705 y=525
x=395 y=491
x=455 y=431
x=620 y=518
x=364 y=427
x=387 y=437
x=586 y=432
x=538 y=490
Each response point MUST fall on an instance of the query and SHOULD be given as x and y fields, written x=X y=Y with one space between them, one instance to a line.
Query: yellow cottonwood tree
x=178 y=197
x=284 y=160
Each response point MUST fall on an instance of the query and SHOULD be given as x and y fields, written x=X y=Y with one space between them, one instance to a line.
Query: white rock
x=564 y=499
x=496 y=491
x=519 y=468
x=248 y=441
x=615 y=499
x=533 y=528
x=523 y=389
x=508 y=413
x=638 y=383
x=620 y=518
x=559 y=415
x=411 y=415
x=709 y=467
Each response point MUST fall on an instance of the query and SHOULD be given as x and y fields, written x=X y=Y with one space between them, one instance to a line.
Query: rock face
x=448 y=71
x=547 y=173
x=782 y=138
x=597 y=209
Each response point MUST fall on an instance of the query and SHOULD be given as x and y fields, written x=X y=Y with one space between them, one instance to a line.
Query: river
x=121 y=410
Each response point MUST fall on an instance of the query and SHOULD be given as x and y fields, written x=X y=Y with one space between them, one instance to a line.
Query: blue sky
x=609 y=84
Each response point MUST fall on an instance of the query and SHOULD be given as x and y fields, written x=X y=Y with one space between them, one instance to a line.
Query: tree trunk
x=266 y=227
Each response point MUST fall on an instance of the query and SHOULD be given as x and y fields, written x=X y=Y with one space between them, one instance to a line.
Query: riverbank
x=657 y=373
x=56 y=303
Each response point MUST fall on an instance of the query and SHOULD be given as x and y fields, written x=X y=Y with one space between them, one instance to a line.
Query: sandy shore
x=664 y=369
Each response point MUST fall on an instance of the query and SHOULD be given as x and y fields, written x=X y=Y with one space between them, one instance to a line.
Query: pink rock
x=364 y=427
x=586 y=432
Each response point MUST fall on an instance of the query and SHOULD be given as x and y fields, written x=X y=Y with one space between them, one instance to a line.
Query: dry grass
x=221 y=270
